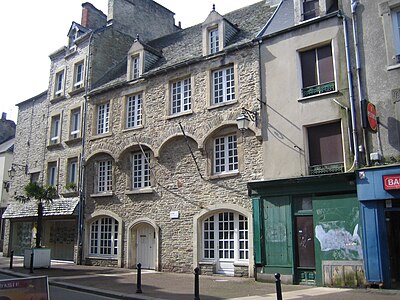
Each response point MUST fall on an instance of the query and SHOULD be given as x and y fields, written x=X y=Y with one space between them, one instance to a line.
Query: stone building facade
x=51 y=125
x=165 y=164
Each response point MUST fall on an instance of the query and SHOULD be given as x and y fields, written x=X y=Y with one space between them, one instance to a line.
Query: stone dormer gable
x=141 y=57
x=305 y=10
x=216 y=33
x=75 y=32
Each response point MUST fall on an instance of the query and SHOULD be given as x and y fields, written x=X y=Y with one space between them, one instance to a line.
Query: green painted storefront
x=308 y=230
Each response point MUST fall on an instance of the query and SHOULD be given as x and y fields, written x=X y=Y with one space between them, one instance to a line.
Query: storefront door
x=305 y=254
x=393 y=237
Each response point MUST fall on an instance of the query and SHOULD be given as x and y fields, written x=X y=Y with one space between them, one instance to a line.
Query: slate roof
x=7 y=146
x=283 y=18
x=59 y=207
x=185 y=46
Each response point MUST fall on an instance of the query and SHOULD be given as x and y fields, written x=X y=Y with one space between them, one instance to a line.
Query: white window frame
x=55 y=128
x=59 y=84
x=104 y=171
x=223 y=85
x=75 y=123
x=213 y=40
x=103 y=118
x=181 y=96
x=134 y=113
x=104 y=243
x=79 y=72
x=226 y=158
x=73 y=170
x=52 y=174
x=234 y=244
x=140 y=170
x=135 y=67
x=396 y=31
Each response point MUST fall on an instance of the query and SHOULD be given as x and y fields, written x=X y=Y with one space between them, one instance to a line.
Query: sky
x=35 y=29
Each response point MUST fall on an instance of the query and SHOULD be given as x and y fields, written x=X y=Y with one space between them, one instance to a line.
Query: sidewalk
x=121 y=283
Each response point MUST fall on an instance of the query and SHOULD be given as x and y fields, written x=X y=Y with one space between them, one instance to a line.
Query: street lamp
x=12 y=171
x=243 y=120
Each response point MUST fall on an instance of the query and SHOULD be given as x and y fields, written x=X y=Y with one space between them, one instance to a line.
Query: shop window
x=104 y=237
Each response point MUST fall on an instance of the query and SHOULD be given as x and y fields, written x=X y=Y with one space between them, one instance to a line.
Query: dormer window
x=310 y=9
x=217 y=32
x=213 y=40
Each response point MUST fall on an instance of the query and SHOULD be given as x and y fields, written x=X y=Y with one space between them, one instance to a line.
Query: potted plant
x=71 y=186
x=40 y=194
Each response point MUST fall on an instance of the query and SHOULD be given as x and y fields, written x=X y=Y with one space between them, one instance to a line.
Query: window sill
x=227 y=103
x=73 y=141
x=317 y=96
x=102 y=195
x=189 y=112
x=393 y=67
x=76 y=91
x=100 y=136
x=147 y=190
x=54 y=146
x=224 y=175
x=241 y=263
x=56 y=99
x=132 y=128
x=98 y=257
x=67 y=194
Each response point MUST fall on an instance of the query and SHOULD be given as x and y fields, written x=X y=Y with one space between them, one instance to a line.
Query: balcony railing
x=318 y=89
x=327 y=169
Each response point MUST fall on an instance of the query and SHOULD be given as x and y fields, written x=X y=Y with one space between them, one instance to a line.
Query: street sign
x=31 y=288
x=391 y=182
x=371 y=115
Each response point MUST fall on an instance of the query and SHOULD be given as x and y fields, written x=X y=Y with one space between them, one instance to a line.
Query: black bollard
x=31 y=271
x=139 y=279
x=197 y=284
x=278 y=286
x=11 y=259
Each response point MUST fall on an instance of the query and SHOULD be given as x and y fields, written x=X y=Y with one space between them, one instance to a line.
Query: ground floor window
x=226 y=237
x=104 y=237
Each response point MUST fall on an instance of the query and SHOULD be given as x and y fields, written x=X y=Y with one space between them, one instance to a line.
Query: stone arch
x=223 y=124
x=130 y=146
x=212 y=209
x=90 y=218
x=132 y=244
x=171 y=137
x=101 y=151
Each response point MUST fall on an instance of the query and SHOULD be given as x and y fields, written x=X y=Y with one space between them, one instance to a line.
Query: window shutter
x=325 y=64
x=308 y=68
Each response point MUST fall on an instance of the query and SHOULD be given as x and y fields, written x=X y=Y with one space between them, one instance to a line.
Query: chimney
x=92 y=18
x=4 y=116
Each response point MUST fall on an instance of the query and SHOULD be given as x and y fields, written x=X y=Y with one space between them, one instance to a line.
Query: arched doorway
x=143 y=241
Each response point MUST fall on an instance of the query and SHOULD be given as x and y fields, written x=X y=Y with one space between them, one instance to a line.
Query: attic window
x=310 y=9
x=213 y=40
x=72 y=37
x=135 y=67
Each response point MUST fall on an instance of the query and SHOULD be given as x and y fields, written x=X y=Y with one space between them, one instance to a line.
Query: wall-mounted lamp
x=243 y=120
x=11 y=172
x=6 y=185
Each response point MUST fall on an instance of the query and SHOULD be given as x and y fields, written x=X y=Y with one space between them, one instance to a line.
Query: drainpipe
x=362 y=100
x=81 y=210
x=351 y=93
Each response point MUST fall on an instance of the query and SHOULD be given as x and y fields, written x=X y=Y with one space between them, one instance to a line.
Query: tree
x=41 y=194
